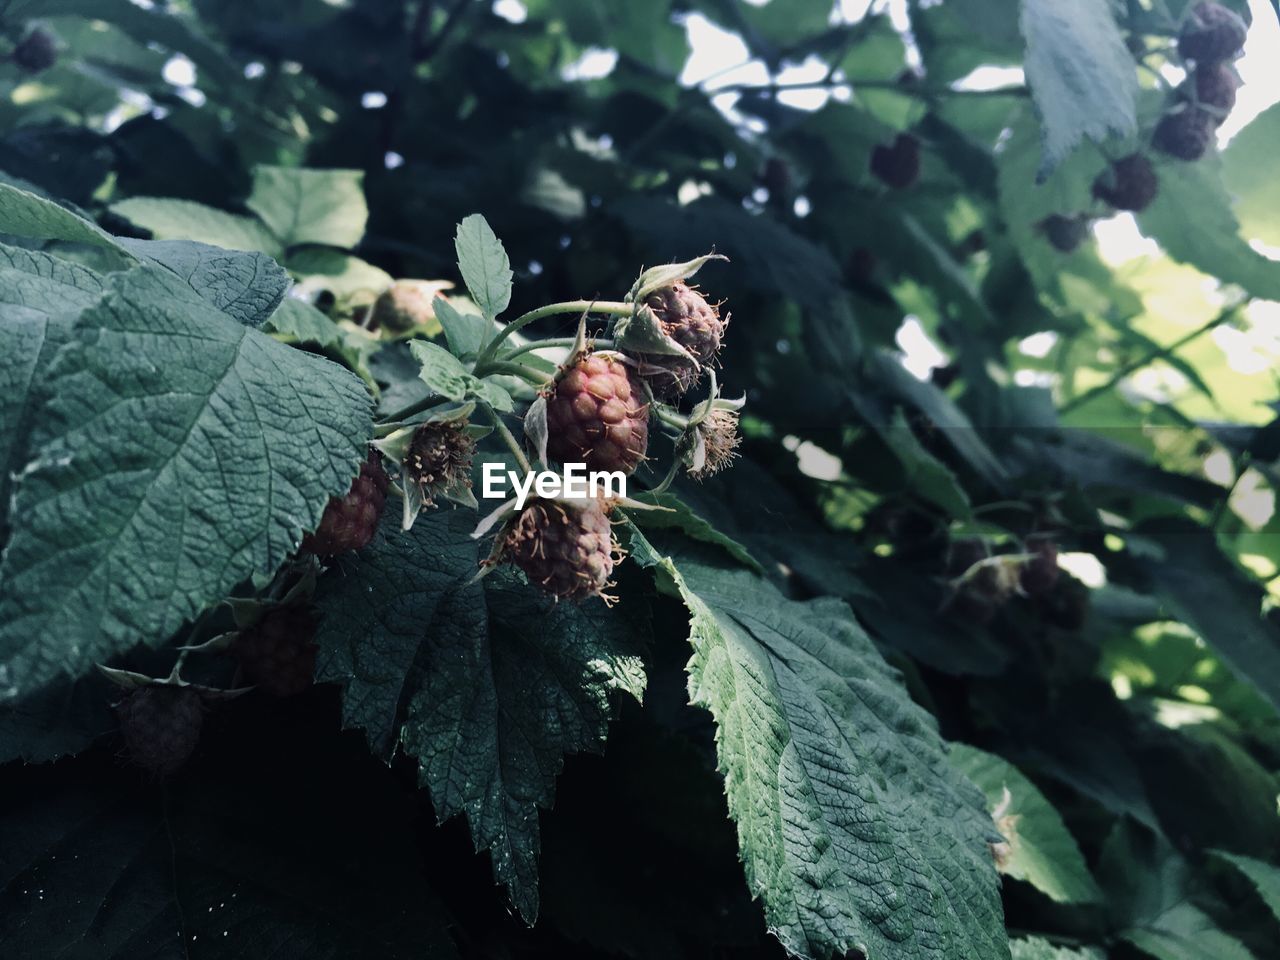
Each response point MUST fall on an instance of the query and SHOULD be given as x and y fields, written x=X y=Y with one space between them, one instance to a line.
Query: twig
x=508 y=438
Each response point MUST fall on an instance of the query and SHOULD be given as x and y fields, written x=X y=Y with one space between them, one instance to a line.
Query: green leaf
x=1255 y=193
x=466 y=333
x=343 y=275
x=1081 y=75
x=855 y=831
x=40 y=296
x=678 y=515
x=488 y=684
x=304 y=323
x=1205 y=590
x=441 y=370
x=245 y=286
x=169 y=219
x=1264 y=876
x=24 y=214
x=483 y=262
x=291 y=843
x=1042 y=851
x=1033 y=948
x=326 y=207
x=62 y=719
x=1149 y=889
x=1191 y=219
x=179 y=453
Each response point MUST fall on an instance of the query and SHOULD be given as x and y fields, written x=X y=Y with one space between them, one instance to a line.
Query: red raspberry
x=687 y=318
x=1039 y=573
x=161 y=726
x=565 y=547
x=1215 y=87
x=1185 y=133
x=596 y=416
x=278 y=653
x=1130 y=184
x=897 y=165
x=1211 y=34
x=349 y=522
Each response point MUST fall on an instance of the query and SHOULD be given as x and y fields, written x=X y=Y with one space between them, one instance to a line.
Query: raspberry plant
x=938 y=617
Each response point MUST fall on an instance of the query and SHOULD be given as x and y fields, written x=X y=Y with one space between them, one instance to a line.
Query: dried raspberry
x=596 y=416
x=278 y=653
x=687 y=318
x=898 y=164
x=37 y=52
x=1185 y=133
x=1211 y=34
x=439 y=458
x=1039 y=573
x=405 y=305
x=1215 y=88
x=566 y=547
x=984 y=589
x=1130 y=184
x=349 y=522
x=720 y=438
x=1065 y=233
x=161 y=726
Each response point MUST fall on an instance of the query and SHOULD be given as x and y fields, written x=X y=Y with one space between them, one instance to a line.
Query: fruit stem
x=611 y=307
x=535 y=377
x=508 y=438
x=670 y=417
x=566 y=342
x=418 y=406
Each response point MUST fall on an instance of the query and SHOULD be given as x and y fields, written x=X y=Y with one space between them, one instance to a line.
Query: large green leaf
x=179 y=453
x=1041 y=849
x=325 y=207
x=1033 y=948
x=1081 y=74
x=1205 y=590
x=1192 y=220
x=855 y=830
x=169 y=219
x=1255 y=192
x=24 y=214
x=40 y=296
x=247 y=286
x=1149 y=890
x=487 y=684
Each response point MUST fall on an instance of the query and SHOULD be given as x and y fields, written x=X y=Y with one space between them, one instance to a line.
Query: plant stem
x=507 y=437
x=615 y=308
x=536 y=377
x=599 y=343
x=418 y=406
x=670 y=417
x=831 y=84
x=1151 y=356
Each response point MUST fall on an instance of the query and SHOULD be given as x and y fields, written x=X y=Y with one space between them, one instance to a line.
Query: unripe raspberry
x=1129 y=184
x=439 y=458
x=690 y=320
x=1215 y=88
x=37 y=52
x=350 y=521
x=1064 y=233
x=1185 y=133
x=565 y=547
x=897 y=165
x=596 y=416
x=1211 y=34
x=405 y=305
x=278 y=652
x=161 y=726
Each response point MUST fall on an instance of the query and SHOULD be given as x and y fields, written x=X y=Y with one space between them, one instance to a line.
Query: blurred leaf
x=168 y=219
x=347 y=277
x=1042 y=850
x=300 y=320
x=1264 y=876
x=325 y=207
x=1255 y=194
x=1034 y=948
x=24 y=214
x=1080 y=73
